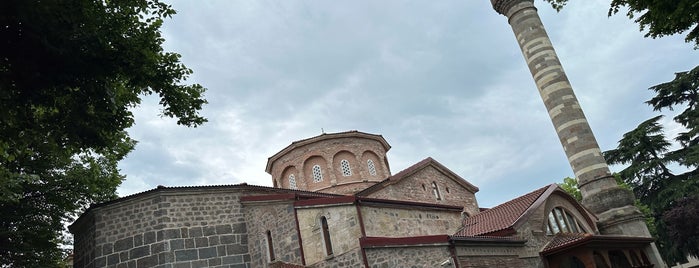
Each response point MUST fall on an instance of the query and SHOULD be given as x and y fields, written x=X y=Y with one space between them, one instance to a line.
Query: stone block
x=209 y=230
x=236 y=249
x=214 y=262
x=206 y=253
x=176 y=244
x=139 y=252
x=200 y=264
x=166 y=258
x=159 y=247
x=227 y=239
x=224 y=229
x=123 y=244
x=196 y=232
x=201 y=242
x=232 y=259
x=186 y=255
x=239 y=228
x=147 y=262
x=149 y=237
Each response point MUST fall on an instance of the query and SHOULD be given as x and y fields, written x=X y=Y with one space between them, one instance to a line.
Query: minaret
x=601 y=194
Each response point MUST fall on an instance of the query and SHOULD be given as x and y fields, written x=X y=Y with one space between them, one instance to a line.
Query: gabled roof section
x=427 y=162
x=326 y=136
x=501 y=220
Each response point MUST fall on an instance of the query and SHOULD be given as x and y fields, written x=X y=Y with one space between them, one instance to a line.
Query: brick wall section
x=354 y=146
x=279 y=218
x=410 y=188
x=166 y=228
x=402 y=222
x=422 y=256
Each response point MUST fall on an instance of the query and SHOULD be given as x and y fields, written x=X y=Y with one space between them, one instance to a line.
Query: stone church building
x=336 y=203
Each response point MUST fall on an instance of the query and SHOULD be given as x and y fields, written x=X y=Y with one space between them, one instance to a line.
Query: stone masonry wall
x=402 y=222
x=169 y=228
x=491 y=261
x=422 y=256
x=278 y=218
x=349 y=259
x=343 y=225
x=84 y=243
x=417 y=187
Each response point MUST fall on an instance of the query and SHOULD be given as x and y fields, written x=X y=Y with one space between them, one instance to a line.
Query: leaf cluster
x=659 y=18
x=70 y=73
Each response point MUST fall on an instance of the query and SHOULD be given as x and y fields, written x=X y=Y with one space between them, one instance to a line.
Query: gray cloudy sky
x=436 y=78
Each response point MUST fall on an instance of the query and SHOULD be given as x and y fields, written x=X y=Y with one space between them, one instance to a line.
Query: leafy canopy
x=70 y=71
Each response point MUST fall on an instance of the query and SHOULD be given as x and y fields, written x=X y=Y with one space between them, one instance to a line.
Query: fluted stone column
x=601 y=194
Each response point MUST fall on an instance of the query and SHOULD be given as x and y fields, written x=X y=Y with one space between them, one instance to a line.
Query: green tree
x=70 y=71
x=570 y=185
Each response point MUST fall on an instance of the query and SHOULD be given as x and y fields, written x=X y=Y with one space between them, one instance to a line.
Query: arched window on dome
x=317 y=174
x=345 y=167
x=292 y=181
x=562 y=221
x=372 y=168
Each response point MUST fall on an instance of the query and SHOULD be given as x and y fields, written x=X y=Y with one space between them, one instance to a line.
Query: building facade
x=335 y=203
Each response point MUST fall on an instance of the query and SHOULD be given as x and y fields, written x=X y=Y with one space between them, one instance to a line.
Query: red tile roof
x=499 y=221
x=564 y=239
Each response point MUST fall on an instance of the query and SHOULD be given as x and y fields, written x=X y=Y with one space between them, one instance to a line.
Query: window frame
x=345 y=168
x=292 y=182
x=325 y=231
x=317 y=173
x=371 y=167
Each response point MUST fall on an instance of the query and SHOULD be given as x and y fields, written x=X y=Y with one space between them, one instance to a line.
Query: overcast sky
x=442 y=79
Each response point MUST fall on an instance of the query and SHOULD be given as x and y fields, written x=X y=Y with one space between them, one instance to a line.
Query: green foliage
x=648 y=154
x=570 y=185
x=660 y=18
x=70 y=71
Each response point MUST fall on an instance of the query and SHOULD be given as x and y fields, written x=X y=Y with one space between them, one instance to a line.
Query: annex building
x=336 y=203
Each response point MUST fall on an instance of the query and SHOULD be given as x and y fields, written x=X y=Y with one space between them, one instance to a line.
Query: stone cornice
x=503 y=6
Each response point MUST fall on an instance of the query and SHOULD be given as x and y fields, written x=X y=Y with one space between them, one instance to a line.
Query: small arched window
x=345 y=166
x=561 y=221
x=317 y=174
x=292 y=181
x=270 y=246
x=435 y=191
x=326 y=236
x=372 y=167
